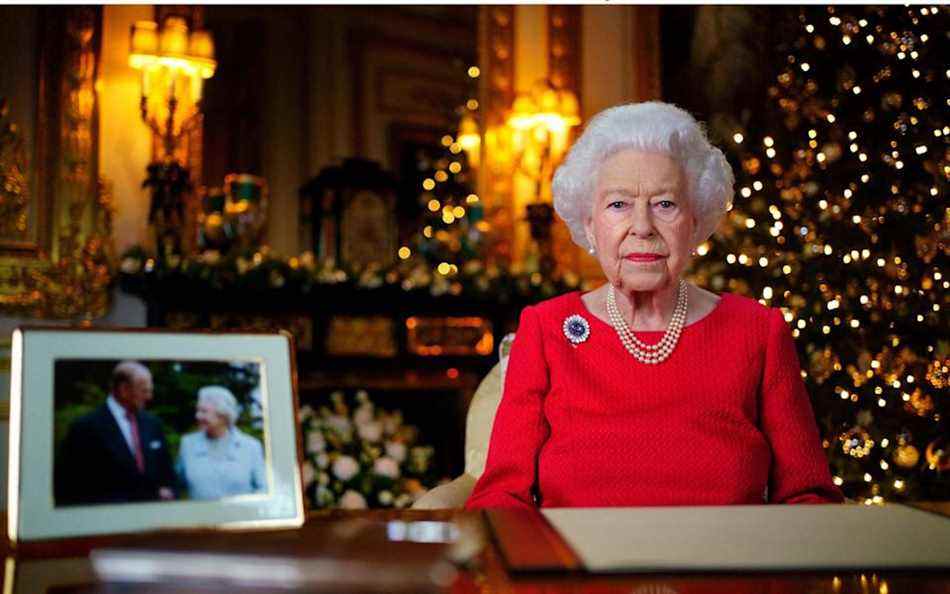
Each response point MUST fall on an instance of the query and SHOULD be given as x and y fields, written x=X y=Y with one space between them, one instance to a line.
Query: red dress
x=724 y=420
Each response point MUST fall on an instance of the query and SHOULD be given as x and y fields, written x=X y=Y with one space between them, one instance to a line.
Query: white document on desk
x=754 y=537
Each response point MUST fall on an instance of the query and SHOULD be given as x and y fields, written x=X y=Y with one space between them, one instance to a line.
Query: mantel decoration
x=174 y=63
x=245 y=207
x=358 y=456
x=263 y=270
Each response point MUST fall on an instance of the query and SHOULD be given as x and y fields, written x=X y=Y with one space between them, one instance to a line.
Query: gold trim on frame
x=17 y=434
x=68 y=275
x=496 y=47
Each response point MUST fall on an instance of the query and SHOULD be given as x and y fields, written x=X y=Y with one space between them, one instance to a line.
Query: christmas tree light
x=841 y=220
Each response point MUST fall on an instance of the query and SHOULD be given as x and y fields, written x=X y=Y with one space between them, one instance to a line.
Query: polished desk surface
x=486 y=574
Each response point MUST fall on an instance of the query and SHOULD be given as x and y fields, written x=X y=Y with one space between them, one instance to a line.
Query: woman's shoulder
x=749 y=312
x=244 y=439
x=556 y=306
x=190 y=439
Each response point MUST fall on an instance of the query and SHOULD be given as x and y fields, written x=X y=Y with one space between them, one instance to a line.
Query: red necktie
x=136 y=442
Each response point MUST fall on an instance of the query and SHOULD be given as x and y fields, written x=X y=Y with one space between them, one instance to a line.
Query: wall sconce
x=538 y=127
x=540 y=123
x=174 y=64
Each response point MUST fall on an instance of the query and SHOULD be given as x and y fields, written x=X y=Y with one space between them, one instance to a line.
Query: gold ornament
x=906 y=456
x=926 y=247
x=919 y=404
x=938 y=454
x=938 y=373
x=832 y=151
x=856 y=442
x=751 y=165
x=822 y=364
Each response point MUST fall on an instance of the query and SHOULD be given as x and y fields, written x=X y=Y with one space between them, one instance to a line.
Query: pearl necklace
x=641 y=351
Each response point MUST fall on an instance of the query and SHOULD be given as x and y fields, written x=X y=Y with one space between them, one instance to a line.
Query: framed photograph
x=118 y=431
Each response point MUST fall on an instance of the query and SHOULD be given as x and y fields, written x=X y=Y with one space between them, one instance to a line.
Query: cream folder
x=754 y=537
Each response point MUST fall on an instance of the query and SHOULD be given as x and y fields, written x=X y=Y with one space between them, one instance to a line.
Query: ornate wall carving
x=66 y=273
x=497 y=92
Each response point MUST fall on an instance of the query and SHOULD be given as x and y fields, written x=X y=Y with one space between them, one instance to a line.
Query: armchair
x=478 y=426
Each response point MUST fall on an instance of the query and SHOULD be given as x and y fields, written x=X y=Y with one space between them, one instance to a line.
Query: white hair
x=222 y=400
x=650 y=127
x=126 y=372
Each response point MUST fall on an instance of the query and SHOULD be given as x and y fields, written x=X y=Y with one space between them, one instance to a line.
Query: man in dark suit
x=117 y=453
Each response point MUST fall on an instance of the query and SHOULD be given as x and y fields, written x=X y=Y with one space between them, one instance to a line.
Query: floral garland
x=263 y=270
x=362 y=456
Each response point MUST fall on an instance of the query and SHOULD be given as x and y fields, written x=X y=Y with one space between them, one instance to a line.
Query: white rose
x=345 y=468
x=341 y=425
x=391 y=423
x=315 y=442
x=396 y=450
x=352 y=500
x=387 y=467
x=385 y=497
x=323 y=460
x=308 y=473
x=372 y=432
x=363 y=414
x=305 y=414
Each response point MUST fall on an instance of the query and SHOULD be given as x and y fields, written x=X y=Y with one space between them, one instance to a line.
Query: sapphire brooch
x=576 y=329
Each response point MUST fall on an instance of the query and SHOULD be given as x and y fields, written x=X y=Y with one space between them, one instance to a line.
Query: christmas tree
x=449 y=233
x=452 y=225
x=840 y=219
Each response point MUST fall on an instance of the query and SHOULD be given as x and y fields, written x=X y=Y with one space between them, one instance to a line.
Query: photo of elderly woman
x=219 y=460
x=129 y=431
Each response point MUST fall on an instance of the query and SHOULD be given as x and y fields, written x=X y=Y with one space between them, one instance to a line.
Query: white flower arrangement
x=361 y=456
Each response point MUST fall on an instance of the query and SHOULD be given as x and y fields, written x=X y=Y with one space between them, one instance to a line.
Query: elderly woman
x=650 y=390
x=220 y=460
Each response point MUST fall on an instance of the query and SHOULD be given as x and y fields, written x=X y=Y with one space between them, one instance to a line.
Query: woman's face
x=210 y=420
x=641 y=224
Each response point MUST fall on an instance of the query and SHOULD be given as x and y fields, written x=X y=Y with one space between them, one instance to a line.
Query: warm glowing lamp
x=174 y=64
x=144 y=44
x=174 y=37
x=541 y=121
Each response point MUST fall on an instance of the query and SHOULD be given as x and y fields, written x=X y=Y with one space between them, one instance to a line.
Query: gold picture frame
x=73 y=471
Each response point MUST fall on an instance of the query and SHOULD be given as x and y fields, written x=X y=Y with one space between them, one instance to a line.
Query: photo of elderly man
x=118 y=452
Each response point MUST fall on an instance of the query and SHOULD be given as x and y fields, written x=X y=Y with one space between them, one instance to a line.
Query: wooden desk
x=486 y=573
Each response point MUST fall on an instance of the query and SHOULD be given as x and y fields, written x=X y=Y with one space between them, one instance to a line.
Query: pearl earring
x=591 y=250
